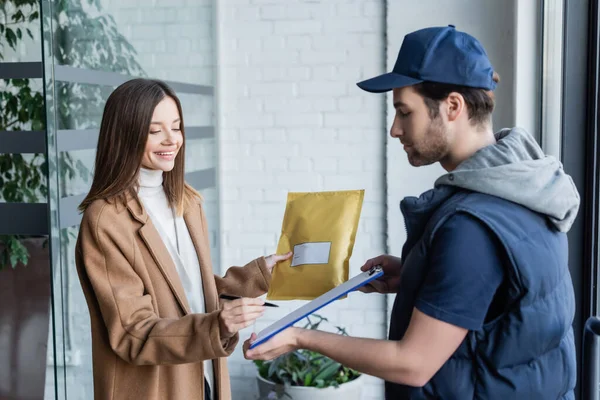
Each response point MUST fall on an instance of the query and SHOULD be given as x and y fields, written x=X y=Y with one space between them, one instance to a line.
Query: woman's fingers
x=239 y=326
x=243 y=318
x=273 y=259
x=244 y=310
x=282 y=257
x=244 y=301
x=240 y=313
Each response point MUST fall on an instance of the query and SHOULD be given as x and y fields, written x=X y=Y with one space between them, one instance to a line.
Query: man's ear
x=454 y=106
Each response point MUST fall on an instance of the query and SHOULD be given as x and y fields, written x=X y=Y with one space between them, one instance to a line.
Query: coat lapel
x=159 y=253
x=193 y=221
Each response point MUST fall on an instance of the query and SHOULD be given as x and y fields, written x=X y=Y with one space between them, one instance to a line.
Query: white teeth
x=170 y=153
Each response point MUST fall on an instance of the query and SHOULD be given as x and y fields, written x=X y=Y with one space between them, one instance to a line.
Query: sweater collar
x=150 y=178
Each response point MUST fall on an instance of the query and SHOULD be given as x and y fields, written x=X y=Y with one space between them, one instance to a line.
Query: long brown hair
x=123 y=135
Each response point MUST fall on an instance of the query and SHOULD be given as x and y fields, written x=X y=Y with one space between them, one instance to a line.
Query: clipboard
x=316 y=304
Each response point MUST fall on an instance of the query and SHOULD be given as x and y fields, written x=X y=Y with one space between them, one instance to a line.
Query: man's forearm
x=385 y=359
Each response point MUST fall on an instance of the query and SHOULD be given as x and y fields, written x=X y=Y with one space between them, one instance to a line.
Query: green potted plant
x=308 y=375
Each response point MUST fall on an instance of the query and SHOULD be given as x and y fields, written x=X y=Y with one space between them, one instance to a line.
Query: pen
x=230 y=297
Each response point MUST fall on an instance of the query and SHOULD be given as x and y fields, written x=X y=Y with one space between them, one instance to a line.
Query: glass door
x=25 y=270
x=60 y=61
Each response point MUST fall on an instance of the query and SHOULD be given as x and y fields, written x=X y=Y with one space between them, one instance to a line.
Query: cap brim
x=386 y=82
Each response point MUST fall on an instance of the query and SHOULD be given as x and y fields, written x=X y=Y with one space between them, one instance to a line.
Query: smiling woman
x=137 y=112
x=144 y=264
x=165 y=137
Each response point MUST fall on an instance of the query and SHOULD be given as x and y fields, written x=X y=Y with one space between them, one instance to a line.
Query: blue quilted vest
x=528 y=352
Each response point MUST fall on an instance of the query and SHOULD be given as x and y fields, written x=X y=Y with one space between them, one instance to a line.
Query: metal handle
x=591 y=339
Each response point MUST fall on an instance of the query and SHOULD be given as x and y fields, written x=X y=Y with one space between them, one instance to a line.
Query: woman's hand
x=282 y=343
x=273 y=259
x=389 y=281
x=238 y=314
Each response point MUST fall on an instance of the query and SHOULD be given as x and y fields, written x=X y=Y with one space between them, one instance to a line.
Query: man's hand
x=238 y=314
x=282 y=343
x=388 y=283
x=273 y=259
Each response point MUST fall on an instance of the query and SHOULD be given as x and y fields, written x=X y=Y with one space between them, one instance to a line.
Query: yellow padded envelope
x=320 y=229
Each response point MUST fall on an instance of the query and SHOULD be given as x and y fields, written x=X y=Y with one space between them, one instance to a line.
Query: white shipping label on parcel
x=311 y=253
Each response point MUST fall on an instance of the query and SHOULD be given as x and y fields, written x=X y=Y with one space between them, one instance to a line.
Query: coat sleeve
x=106 y=263
x=251 y=280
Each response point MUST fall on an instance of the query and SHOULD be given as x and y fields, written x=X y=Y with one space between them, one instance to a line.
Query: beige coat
x=145 y=342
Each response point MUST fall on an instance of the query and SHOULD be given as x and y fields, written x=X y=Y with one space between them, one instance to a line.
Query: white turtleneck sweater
x=176 y=237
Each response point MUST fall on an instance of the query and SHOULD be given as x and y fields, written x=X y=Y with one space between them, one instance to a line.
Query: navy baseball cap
x=437 y=54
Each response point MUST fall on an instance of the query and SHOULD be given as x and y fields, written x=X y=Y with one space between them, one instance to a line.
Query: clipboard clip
x=375 y=270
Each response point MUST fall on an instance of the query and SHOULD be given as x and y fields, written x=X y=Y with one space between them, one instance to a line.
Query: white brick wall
x=292 y=119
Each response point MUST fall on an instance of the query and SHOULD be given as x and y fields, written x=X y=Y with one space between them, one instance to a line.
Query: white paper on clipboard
x=316 y=304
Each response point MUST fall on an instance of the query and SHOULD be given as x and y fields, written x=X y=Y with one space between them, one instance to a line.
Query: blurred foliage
x=83 y=36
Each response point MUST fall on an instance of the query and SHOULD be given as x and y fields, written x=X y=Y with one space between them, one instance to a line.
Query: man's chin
x=419 y=162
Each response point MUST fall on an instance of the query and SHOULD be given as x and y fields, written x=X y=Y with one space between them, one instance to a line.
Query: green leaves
x=308 y=379
x=12 y=252
x=11 y=38
x=83 y=40
x=328 y=371
x=34 y=15
x=307 y=368
x=23 y=179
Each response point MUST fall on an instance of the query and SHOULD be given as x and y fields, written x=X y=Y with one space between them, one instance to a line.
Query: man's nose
x=396 y=131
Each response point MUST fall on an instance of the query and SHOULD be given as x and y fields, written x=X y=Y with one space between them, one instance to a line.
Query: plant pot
x=24 y=324
x=348 y=391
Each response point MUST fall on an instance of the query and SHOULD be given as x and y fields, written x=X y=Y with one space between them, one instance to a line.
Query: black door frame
x=580 y=154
